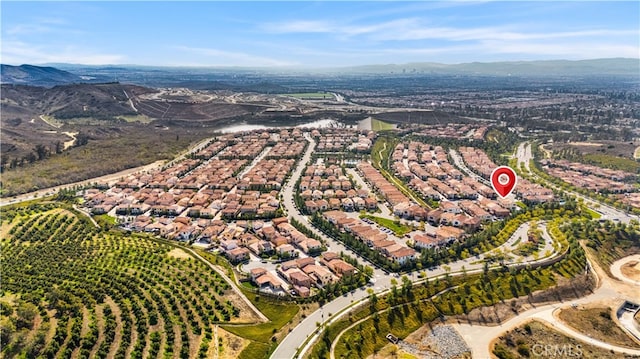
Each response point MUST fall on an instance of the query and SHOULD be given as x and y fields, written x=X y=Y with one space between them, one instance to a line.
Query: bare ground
x=232 y=345
x=178 y=253
x=541 y=336
x=596 y=322
x=100 y=323
x=53 y=324
x=631 y=270
x=118 y=337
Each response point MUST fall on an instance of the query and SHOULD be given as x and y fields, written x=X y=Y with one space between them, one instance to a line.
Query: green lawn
x=311 y=95
x=279 y=314
x=249 y=284
x=593 y=214
x=377 y=125
x=397 y=228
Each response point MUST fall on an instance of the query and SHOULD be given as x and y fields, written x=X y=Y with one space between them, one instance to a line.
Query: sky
x=314 y=34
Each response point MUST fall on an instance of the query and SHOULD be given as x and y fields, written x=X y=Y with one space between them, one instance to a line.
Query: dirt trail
x=609 y=292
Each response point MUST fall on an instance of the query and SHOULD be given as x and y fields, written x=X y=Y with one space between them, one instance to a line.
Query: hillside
x=36 y=75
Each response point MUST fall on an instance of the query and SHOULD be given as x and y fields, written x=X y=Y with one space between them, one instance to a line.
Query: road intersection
x=300 y=339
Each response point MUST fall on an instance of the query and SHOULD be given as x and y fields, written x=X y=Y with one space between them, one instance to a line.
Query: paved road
x=616 y=272
x=108 y=179
x=479 y=337
x=381 y=281
x=457 y=160
x=384 y=209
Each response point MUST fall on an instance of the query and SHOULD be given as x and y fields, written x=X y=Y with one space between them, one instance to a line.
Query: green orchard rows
x=149 y=301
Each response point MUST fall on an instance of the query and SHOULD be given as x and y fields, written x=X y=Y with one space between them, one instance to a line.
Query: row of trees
x=69 y=265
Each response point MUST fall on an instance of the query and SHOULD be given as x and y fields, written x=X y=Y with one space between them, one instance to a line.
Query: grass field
x=263 y=336
x=378 y=125
x=397 y=228
x=613 y=162
x=593 y=214
x=80 y=292
x=311 y=95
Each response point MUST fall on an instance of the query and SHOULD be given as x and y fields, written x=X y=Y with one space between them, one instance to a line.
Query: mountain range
x=207 y=76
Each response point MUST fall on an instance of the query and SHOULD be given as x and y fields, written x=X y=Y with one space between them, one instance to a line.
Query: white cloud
x=410 y=29
x=570 y=50
x=217 y=57
x=16 y=52
x=42 y=26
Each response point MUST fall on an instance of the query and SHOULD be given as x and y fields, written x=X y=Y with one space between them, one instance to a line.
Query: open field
x=108 y=150
x=593 y=214
x=262 y=337
x=597 y=323
x=534 y=337
x=311 y=95
x=613 y=148
x=378 y=125
x=82 y=292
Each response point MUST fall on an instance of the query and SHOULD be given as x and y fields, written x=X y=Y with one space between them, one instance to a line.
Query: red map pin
x=503 y=180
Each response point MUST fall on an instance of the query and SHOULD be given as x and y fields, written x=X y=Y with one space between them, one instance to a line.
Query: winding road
x=300 y=339
x=479 y=337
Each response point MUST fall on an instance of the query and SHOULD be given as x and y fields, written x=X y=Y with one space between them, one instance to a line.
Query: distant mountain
x=597 y=67
x=36 y=75
x=98 y=101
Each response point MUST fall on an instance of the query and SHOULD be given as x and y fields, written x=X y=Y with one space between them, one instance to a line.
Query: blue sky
x=314 y=34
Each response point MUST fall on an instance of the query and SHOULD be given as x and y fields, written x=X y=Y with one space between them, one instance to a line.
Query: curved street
x=479 y=337
x=303 y=335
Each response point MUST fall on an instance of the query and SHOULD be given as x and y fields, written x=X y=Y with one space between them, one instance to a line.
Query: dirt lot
x=597 y=323
x=178 y=253
x=232 y=345
x=533 y=338
x=631 y=270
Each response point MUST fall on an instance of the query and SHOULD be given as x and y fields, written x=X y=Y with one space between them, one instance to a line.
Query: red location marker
x=503 y=180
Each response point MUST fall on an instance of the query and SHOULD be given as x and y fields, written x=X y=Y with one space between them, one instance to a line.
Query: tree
x=41 y=151
x=30 y=157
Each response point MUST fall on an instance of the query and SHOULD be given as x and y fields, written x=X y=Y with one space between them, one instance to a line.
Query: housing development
x=330 y=180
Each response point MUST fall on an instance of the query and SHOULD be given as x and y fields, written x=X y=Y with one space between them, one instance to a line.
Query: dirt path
x=216 y=353
x=100 y=323
x=70 y=143
x=118 y=337
x=233 y=285
x=617 y=272
x=53 y=324
x=44 y=119
x=609 y=292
